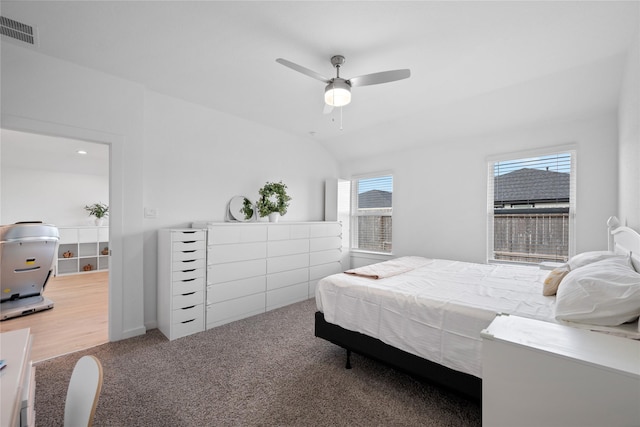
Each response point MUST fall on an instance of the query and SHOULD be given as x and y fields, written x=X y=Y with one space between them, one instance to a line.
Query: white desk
x=17 y=380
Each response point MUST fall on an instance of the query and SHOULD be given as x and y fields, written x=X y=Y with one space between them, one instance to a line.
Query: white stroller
x=27 y=253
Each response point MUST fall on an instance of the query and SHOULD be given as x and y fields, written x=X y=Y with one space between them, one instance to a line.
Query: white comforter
x=438 y=310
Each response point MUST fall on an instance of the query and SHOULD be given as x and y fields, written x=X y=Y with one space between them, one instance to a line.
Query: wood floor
x=78 y=320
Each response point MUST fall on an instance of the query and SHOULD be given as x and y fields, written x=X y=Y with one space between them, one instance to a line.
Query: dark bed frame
x=459 y=382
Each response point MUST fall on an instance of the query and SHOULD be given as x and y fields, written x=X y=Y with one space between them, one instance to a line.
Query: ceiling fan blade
x=382 y=77
x=303 y=70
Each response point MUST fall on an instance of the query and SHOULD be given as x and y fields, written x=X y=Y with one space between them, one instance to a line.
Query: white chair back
x=83 y=392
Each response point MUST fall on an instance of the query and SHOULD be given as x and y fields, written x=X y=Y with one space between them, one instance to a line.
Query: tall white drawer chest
x=257 y=267
x=181 y=281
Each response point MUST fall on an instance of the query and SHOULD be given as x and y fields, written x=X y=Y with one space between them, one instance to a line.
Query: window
x=371 y=213
x=531 y=208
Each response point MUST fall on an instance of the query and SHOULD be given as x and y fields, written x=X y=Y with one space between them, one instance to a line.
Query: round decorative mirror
x=241 y=209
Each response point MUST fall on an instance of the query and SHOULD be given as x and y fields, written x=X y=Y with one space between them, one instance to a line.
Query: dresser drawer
x=219 y=273
x=287 y=295
x=233 y=234
x=287 y=278
x=187 y=235
x=228 y=311
x=183 y=315
x=325 y=230
x=325 y=257
x=325 y=243
x=286 y=232
x=189 y=255
x=289 y=262
x=324 y=270
x=188 y=264
x=187 y=246
x=186 y=300
x=185 y=286
x=187 y=327
x=179 y=276
x=236 y=252
x=288 y=247
x=235 y=289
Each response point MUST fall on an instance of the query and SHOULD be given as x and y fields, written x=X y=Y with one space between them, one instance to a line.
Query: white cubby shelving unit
x=88 y=246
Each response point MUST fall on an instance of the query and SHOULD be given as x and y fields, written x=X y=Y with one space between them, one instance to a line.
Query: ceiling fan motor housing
x=338 y=92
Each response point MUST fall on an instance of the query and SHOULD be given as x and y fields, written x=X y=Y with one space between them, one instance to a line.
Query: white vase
x=274 y=216
x=99 y=221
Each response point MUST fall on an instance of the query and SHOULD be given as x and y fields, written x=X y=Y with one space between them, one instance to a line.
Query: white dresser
x=543 y=374
x=181 y=281
x=256 y=267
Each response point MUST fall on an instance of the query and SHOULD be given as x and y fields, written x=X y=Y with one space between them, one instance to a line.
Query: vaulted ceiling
x=476 y=67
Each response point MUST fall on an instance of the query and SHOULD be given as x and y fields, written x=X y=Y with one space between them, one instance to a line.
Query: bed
x=424 y=316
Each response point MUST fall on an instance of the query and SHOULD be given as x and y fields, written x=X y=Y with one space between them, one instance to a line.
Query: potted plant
x=273 y=201
x=99 y=210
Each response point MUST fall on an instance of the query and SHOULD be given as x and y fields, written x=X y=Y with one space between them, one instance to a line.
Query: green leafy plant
x=99 y=210
x=273 y=198
x=247 y=209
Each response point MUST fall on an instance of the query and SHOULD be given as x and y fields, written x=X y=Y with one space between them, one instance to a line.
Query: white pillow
x=605 y=293
x=587 y=258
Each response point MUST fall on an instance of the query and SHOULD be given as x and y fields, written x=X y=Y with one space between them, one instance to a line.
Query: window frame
x=354 y=214
x=524 y=154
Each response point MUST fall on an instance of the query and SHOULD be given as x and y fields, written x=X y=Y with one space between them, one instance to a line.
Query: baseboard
x=133 y=332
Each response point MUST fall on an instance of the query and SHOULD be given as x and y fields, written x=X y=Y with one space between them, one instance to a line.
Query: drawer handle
x=188 y=308
x=188 y=293
x=188 y=252
x=189 y=241
x=187 y=321
x=188 y=232
x=189 y=260
x=188 y=271
x=188 y=280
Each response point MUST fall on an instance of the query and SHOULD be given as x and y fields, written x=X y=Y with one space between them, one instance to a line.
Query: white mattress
x=436 y=311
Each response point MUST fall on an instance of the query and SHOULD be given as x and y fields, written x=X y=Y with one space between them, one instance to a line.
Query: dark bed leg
x=348 y=366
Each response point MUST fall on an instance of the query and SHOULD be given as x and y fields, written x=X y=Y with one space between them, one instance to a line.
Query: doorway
x=51 y=179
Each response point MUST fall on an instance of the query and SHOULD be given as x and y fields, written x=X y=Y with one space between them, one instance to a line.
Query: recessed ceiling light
x=81 y=152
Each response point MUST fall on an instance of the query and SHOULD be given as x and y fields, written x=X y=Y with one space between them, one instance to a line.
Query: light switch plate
x=150 y=213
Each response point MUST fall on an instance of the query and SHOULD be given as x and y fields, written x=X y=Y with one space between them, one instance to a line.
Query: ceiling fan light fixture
x=337 y=93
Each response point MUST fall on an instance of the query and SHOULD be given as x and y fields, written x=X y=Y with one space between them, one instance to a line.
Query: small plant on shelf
x=99 y=210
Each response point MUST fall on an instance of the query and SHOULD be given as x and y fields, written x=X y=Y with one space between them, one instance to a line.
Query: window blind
x=372 y=211
x=530 y=208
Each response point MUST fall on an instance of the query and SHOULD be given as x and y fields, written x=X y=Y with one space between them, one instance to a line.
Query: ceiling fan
x=337 y=93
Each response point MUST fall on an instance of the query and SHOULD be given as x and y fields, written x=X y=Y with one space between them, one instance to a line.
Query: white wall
x=196 y=159
x=51 y=197
x=440 y=192
x=45 y=178
x=629 y=142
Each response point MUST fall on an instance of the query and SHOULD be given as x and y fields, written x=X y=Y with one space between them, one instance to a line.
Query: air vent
x=17 y=30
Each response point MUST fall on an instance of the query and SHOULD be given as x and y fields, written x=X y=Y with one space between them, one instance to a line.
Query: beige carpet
x=268 y=370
